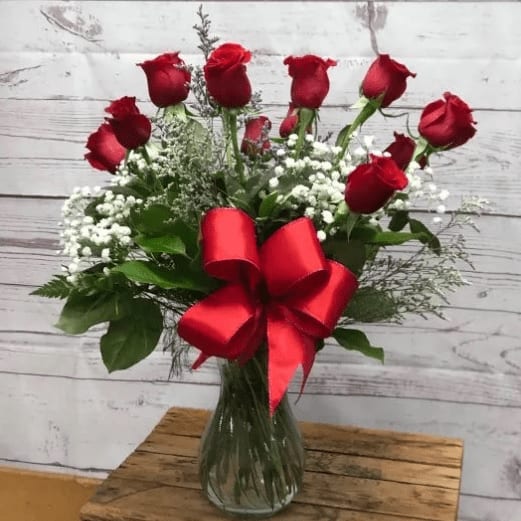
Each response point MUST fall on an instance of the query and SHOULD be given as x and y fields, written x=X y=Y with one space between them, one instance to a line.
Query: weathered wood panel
x=336 y=372
x=488 y=343
x=42 y=144
x=66 y=43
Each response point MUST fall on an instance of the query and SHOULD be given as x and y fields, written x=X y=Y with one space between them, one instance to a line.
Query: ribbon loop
x=229 y=245
x=222 y=324
x=321 y=307
x=292 y=260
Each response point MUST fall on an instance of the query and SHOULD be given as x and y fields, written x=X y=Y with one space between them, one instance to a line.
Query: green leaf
x=148 y=272
x=429 y=238
x=153 y=220
x=371 y=305
x=355 y=340
x=82 y=312
x=395 y=238
x=132 y=338
x=163 y=244
x=189 y=236
x=58 y=287
x=342 y=135
x=268 y=205
x=399 y=221
x=136 y=187
x=352 y=219
x=351 y=254
x=363 y=232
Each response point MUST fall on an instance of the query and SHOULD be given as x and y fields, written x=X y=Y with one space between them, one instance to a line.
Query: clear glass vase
x=250 y=465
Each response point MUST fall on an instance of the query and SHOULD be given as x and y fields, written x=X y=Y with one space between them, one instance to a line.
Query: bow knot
x=285 y=292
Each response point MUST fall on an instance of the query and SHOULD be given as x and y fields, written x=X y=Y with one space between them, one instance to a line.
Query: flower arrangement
x=260 y=245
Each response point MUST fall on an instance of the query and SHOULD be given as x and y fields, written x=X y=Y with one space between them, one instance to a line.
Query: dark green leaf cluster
x=58 y=287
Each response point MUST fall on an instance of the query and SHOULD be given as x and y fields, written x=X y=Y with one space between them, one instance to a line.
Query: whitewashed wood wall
x=61 y=62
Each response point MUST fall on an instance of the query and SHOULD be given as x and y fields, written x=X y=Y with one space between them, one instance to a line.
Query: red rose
x=168 y=79
x=225 y=75
x=371 y=185
x=447 y=123
x=132 y=128
x=310 y=83
x=256 y=139
x=290 y=122
x=106 y=153
x=401 y=150
x=385 y=76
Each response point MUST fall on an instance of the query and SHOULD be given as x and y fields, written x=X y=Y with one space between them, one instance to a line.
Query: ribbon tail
x=307 y=362
x=201 y=359
x=287 y=349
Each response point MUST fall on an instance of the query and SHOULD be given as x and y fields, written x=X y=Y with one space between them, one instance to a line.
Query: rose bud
x=310 y=83
x=401 y=150
x=225 y=75
x=106 y=153
x=385 y=77
x=290 y=122
x=168 y=79
x=447 y=123
x=256 y=139
x=371 y=185
x=132 y=128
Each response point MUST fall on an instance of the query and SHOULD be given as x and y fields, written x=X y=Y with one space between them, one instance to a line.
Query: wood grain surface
x=351 y=473
x=60 y=64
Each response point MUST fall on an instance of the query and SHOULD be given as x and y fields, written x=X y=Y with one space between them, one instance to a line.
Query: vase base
x=251 y=511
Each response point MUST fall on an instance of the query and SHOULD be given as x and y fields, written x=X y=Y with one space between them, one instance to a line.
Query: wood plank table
x=351 y=474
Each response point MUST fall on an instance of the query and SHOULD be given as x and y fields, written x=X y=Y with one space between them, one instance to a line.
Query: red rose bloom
x=310 y=83
x=168 y=79
x=447 y=123
x=385 y=76
x=106 y=153
x=256 y=139
x=225 y=75
x=401 y=150
x=132 y=128
x=371 y=185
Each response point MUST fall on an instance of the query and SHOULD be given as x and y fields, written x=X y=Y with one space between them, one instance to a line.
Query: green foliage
x=395 y=238
x=427 y=237
x=133 y=337
x=82 y=312
x=351 y=254
x=355 y=340
x=343 y=135
x=149 y=272
x=371 y=304
x=399 y=221
x=163 y=244
x=153 y=220
x=268 y=205
x=58 y=287
x=189 y=236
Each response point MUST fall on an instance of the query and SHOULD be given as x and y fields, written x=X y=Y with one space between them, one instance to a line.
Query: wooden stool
x=351 y=474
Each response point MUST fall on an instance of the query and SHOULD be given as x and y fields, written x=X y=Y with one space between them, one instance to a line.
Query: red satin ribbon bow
x=285 y=291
